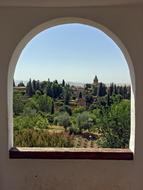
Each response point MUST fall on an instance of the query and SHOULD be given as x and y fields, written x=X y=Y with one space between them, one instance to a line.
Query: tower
x=95 y=80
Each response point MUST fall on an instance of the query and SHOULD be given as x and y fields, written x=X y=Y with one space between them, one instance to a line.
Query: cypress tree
x=80 y=95
x=111 y=89
x=101 y=91
x=63 y=83
x=52 y=108
x=29 y=89
x=34 y=85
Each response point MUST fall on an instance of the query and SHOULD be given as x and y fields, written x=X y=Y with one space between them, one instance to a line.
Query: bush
x=79 y=109
x=84 y=121
x=44 y=103
x=31 y=121
x=62 y=119
x=66 y=108
x=74 y=130
x=50 y=118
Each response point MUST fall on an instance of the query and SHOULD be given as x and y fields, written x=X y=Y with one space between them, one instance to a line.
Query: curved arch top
x=54 y=22
x=65 y=20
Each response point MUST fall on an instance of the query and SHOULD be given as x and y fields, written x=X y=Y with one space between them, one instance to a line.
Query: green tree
x=67 y=95
x=63 y=83
x=44 y=103
x=34 y=86
x=29 y=89
x=63 y=119
x=114 y=125
x=18 y=103
x=88 y=99
x=30 y=122
x=30 y=107
x=80 y=95
x=94 y=90
x=110 y=89
x=84 y=121
x=66 y=108
x=101 y=90
x=52 y=108
x=21 y=84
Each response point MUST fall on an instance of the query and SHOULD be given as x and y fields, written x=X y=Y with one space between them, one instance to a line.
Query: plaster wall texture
x=126 y=23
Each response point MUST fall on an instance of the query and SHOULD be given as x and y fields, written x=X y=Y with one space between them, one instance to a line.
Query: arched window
x=76 y=102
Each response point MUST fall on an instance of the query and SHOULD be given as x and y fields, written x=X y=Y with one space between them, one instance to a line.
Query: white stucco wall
x=126 y=23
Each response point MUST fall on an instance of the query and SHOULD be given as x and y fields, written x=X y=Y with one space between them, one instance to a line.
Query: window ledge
x=71 y=153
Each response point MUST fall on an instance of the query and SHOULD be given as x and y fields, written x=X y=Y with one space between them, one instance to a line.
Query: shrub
x=74 y=130
x=31 y=121
x=84 y=121
x=79 y=109
x=66 y=108
x=41 y=138
x=62 y=119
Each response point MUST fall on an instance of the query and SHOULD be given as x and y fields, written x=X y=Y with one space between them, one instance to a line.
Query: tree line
x=43 y=103
x=59 y=90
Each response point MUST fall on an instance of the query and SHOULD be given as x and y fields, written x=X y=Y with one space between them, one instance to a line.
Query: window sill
x=71 y=153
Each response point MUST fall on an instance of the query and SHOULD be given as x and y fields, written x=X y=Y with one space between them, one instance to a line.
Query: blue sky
x=74 y=52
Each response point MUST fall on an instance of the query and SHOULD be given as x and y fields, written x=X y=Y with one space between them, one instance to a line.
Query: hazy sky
x=74 y=52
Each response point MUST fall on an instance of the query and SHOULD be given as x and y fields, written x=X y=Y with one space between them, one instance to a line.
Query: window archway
x=55 y=22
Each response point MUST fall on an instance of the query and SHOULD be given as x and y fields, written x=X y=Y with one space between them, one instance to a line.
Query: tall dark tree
x=29 y=89
x=55 y=89
x=63 y=83
x=52 y=108
x=38 y=85
x=49 y=91
x=125 y=92
x=67 y=95
x=110 y=89
x=128 y=92
x=121 y=91
x=101 y=91
x=80 y=95
x=114 y=89
x=55 y=81
x=43 y=87
x=34 y=86
x=88 y=99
